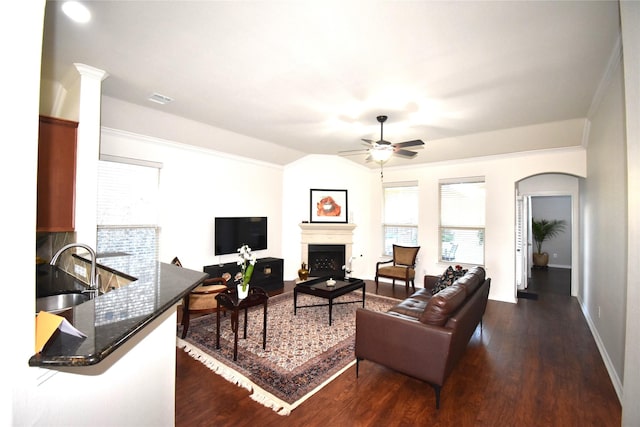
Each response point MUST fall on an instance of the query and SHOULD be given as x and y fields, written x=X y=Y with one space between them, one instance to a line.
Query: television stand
x=267 y=273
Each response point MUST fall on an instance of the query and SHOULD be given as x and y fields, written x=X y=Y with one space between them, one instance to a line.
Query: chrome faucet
x=93 y=290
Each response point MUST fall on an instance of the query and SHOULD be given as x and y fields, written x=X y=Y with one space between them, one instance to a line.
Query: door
x=522 y=241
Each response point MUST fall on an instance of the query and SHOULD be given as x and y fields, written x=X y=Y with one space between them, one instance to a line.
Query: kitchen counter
x=113 y=318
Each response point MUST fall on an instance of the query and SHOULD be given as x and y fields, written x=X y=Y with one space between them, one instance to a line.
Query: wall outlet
x=80 y=270
x=598 y=312
x=555 y=255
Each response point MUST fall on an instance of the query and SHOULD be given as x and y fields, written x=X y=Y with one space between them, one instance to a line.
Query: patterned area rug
x=303 y=352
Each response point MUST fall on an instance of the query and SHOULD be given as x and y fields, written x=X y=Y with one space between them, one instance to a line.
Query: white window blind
x=400 y=222
x=127 y=217
x=462 y=221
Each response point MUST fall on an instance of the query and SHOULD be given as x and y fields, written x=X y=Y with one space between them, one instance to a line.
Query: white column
x=88 y=152
x=630 y=16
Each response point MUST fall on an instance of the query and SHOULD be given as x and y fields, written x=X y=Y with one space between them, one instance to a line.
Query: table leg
x=245 y=324
x=330 y=309
x=218 y=329
x=295 y=301
x=264 y=327
x=363 y=292
x=234 y=328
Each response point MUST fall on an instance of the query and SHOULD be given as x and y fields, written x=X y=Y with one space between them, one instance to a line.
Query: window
x=127 y=209
x=400 y=219
x=462 y=217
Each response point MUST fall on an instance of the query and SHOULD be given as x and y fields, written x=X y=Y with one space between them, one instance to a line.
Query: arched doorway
x=554 y=196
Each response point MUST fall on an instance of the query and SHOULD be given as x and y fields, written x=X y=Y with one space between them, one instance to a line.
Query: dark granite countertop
x=51 y=280
x=111 y=319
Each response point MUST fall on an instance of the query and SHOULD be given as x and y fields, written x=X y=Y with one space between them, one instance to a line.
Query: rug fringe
x=258 y=394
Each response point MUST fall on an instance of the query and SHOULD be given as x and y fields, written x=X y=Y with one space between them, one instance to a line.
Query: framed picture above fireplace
x=328 y=205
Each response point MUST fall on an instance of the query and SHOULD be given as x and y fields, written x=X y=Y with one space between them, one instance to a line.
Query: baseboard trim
x=617 y=384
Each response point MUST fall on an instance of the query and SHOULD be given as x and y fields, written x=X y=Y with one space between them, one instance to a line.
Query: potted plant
x=542 y=230
x=246 y=262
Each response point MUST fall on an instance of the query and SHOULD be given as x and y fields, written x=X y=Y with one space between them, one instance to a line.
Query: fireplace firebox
x=326 y=260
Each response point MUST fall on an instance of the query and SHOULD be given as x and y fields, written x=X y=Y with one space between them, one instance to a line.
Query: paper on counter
x=47 y=323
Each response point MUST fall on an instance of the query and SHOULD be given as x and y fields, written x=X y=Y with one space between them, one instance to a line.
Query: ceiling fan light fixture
x=76 y=11
x=381 y=154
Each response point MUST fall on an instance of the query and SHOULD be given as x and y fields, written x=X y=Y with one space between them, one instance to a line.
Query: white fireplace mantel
x=326 y=234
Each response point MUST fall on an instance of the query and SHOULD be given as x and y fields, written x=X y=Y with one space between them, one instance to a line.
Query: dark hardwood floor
x=535 y=363
x=550 y=280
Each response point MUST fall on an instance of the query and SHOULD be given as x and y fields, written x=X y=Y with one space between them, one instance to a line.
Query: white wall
x=630 y=17
x=604 y=202
x=501 y=175
x=331 y=172
x=19 y=106
x=116 y=391
x=196 y=185
x=555 y=208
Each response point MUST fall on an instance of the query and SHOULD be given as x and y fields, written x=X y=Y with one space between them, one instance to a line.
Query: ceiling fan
x=381 y=150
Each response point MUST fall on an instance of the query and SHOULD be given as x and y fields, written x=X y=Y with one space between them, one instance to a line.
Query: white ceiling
x=313 y=75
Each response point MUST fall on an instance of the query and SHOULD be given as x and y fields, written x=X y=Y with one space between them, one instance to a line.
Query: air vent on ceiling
x=160 y=99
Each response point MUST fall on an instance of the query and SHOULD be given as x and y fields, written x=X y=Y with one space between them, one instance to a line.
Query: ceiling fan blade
x=404 y=153
x=352 y=152
x=413 y=143
x=368 y=141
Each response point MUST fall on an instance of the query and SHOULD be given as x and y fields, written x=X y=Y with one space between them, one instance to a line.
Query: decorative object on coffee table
x=328 y=206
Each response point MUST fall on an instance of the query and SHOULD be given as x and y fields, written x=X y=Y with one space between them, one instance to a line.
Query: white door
x=522 y=241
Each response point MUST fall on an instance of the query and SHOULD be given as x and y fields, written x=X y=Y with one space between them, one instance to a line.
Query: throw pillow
x=448 y=278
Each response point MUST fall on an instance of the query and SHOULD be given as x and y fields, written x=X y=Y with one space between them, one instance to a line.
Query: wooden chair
x=403 y=267
x=202 y=299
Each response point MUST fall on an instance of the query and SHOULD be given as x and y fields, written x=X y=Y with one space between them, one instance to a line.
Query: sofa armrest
x=430 y=281
x=408 y=346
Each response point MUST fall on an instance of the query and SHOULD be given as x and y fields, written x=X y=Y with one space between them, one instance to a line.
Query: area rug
x=302 y=355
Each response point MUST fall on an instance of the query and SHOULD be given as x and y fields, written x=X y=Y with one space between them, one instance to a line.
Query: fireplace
x=326 y=260
x=325 y=247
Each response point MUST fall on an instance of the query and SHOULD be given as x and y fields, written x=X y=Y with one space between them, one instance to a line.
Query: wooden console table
x=267 y=273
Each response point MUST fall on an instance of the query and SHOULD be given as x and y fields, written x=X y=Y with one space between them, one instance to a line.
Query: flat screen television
x=233 y=232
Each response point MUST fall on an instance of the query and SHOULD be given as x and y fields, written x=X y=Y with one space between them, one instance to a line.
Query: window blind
x=400 y=217
x=462 y=221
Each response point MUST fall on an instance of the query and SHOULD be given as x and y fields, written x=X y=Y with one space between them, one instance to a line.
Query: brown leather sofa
x=425 y=335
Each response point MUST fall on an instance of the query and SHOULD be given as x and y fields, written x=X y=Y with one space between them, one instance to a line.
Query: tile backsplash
x=47 y=244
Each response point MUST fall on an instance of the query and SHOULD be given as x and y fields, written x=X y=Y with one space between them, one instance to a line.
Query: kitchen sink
x=60 y=302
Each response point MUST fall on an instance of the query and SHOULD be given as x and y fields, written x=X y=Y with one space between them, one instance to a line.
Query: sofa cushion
x=448 y=278
x=470 y=282
x=396 y=271
x=442 y=305
x=422 y=295
x=410 y=307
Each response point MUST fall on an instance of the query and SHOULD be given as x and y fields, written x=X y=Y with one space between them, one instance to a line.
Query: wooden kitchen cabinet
x=56 y=174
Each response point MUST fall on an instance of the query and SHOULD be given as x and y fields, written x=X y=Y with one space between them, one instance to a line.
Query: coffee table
x=319 y=288
x=230 y=301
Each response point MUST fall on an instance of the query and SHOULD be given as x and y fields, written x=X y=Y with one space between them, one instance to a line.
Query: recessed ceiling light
x=160 y=99
x=76 y=11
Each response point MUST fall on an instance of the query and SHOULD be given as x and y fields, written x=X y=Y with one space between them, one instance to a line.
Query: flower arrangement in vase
x=246 y=262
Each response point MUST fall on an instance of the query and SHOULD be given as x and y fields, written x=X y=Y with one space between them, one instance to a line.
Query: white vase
x=242 y=294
